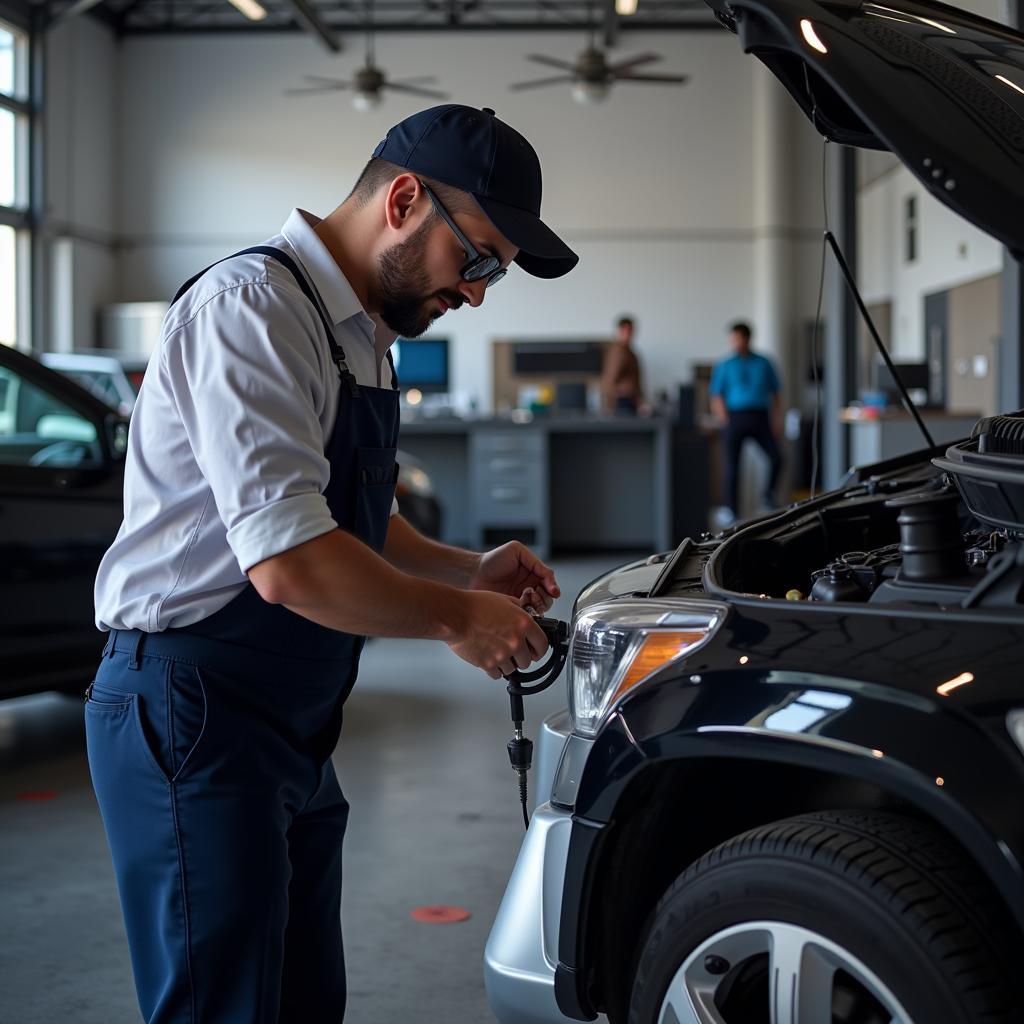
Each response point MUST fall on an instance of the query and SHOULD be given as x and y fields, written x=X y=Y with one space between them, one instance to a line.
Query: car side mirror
x=117 y=437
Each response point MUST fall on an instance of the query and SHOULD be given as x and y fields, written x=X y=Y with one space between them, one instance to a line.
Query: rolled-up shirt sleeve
x=250 y=392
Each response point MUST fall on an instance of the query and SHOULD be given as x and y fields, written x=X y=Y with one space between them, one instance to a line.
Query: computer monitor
x=915 y=377
x=571 y=396
x=422 y=363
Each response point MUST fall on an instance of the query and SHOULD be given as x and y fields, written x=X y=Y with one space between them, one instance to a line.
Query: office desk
x=558 y=482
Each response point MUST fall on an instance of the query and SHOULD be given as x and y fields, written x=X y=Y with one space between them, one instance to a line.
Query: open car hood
x=940 y=88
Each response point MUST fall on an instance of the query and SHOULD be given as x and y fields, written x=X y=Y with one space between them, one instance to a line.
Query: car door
x=61 y=477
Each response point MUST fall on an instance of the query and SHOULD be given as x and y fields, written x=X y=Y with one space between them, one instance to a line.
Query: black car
x=61 y=478
x=789 y=784
x=61 y=482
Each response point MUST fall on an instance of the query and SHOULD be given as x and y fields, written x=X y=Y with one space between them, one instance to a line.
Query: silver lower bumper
x=522 y=949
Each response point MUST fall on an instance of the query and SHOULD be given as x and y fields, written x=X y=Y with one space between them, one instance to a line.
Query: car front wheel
x=829 y=918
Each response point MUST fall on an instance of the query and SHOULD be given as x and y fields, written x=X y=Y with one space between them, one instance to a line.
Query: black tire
x=896 y=894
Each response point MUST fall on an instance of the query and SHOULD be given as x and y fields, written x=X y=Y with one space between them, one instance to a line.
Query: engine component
x=1003 y=585
x=930 y=540
x=983 y=546
x=989 y=471
x=840 y=582
x=1002 y=435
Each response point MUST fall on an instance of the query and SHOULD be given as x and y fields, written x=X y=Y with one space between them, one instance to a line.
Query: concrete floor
x=435 y=820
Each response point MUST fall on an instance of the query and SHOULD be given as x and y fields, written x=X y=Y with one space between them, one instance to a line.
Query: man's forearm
x=408 y=550
x=339 y=582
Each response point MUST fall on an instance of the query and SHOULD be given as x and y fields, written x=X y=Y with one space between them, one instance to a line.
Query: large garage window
x=15 y=126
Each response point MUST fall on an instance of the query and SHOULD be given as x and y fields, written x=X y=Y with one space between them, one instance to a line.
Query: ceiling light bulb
x=250 y=8
x=364 y=101
x=589 y=92
x=625 y=7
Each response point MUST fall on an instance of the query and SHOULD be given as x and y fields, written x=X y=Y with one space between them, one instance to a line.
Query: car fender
x=927 y=754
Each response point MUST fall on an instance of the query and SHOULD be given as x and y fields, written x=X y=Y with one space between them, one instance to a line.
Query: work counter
x=563 y=483
x=896 y=433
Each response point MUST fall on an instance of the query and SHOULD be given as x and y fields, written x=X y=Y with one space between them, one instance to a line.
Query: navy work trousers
x=756 y=425
x=225 y=822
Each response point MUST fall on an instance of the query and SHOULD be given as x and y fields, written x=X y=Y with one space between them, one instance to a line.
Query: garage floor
x=435 y=820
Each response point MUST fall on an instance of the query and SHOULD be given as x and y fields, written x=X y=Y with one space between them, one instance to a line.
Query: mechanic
x=261 y=543
x=745 y=400
x=621 y=388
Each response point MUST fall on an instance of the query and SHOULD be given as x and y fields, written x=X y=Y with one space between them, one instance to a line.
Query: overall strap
x=394 y=373
x=337 y=353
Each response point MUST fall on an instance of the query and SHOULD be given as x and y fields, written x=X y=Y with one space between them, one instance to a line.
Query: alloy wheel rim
x=796 y=975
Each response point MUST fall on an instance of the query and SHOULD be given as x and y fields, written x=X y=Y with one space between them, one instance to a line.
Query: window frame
x=23 y=216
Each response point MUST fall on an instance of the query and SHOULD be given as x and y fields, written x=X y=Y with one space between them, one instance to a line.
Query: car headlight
x=616 y=646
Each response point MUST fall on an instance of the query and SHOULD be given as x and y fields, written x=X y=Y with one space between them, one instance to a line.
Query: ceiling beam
x=310 y=20
x=75 y=9
x=509 y=26
x=18 y=12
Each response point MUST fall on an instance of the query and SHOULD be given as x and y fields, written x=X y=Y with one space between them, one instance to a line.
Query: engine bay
x=945 y=530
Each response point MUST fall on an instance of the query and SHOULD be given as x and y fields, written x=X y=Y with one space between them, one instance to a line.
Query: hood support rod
x=907 y=403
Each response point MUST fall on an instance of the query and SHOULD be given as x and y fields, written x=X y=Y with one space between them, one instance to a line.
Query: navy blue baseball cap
x=472 y=150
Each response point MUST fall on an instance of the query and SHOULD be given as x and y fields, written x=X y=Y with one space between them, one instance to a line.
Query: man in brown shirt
x=620 y=376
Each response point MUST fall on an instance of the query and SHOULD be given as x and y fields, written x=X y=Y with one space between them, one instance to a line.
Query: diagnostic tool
x=525 y=684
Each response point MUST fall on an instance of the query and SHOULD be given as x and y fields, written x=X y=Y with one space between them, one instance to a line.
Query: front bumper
x=522 y=949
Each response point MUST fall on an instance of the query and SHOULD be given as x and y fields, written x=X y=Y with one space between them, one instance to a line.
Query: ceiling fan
x=369 y=81
x=592 y=76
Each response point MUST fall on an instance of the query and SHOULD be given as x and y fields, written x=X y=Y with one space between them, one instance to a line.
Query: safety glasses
x=478 y=265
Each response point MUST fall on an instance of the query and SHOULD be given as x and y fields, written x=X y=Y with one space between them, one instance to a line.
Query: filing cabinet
x=508 y=487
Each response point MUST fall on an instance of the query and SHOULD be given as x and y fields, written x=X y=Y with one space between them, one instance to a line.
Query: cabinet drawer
x=507 y=465
x=497 y=442
x=500 y=502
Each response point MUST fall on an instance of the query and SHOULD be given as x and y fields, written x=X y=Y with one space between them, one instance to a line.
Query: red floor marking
x=38 y=794
x=440 y=915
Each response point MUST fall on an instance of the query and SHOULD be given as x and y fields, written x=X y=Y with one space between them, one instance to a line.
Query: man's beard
x=403 y=289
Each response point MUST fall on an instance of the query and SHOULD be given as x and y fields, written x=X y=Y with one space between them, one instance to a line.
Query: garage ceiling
x=334 y=19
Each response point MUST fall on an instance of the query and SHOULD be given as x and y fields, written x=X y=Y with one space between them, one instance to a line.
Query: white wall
x=81 y=161
x=654 y=188
x=950 y=251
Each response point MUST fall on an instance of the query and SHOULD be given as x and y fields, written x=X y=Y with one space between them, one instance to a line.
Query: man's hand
x=497 y=635
x=516 y=571
x=719 y=411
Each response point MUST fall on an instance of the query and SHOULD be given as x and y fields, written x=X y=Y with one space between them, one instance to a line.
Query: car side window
x=39 y=429
x=101 y=385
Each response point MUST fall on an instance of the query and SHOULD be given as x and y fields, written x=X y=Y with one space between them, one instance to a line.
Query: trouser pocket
x=152 y=719
x=116 y=740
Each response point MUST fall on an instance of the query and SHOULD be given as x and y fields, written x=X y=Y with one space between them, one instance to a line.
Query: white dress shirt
x=226 y=463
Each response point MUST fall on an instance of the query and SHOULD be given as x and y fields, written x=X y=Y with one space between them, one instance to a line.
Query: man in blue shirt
x=745 y=398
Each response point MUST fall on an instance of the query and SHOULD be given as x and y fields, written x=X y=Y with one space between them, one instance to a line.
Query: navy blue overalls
x=210 y=751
